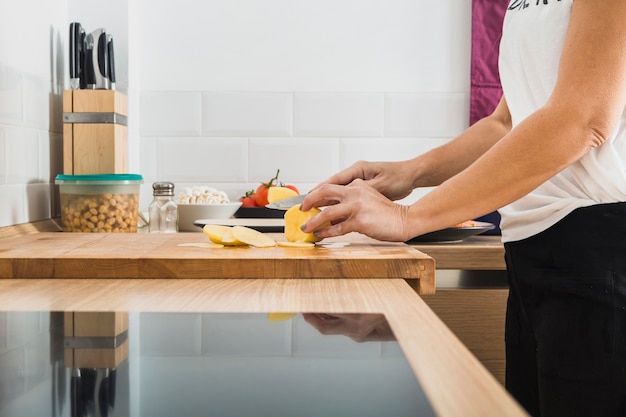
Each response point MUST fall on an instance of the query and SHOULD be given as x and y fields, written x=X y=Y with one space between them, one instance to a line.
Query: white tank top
x=533 y=36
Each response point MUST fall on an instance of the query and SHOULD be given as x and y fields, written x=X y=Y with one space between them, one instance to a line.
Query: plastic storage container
x=102 y=203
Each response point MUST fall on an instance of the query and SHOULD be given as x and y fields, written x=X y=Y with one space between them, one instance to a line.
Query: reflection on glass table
x=204 y=364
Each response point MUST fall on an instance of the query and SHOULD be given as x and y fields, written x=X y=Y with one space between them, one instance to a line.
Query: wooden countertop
x=143 y=255
x=474 y=253
x=456 y=384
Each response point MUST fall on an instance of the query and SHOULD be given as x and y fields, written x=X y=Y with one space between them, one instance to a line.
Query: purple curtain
x=485 y=90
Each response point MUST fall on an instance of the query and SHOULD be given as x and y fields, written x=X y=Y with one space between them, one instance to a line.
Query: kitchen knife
x=97 y=58
x=76 y=42
x=111 y=61
x=286 y=203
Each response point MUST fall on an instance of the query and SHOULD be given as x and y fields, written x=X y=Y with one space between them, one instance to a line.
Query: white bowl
x=188 y=213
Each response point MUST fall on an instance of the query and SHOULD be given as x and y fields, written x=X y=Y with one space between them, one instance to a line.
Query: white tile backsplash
x=442 y=115
x=338 y=114
x=22 y=167
x=170 y=113
x=10 y=95
x=299 y=159
x=39 y=112
x=247 y=114
x=352 y=150
x=202 y=159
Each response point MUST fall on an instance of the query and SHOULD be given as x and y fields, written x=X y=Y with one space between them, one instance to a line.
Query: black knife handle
x=111 y=59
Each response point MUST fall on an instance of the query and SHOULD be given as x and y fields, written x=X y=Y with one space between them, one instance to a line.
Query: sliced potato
x=252 y=237
x=275 y=194
x=207 y=245
x=294 y=219
x=229 y=238
x=221 y=234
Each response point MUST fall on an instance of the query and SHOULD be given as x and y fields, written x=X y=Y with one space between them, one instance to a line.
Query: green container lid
x=99 y=178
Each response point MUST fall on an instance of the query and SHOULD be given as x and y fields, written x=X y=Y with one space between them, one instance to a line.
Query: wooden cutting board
x=143 y=255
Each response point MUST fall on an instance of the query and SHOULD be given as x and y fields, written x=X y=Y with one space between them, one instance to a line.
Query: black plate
x=259 y=213
x=453 y=234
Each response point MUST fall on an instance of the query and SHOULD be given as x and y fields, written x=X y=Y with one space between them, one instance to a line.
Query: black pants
x=566 y=316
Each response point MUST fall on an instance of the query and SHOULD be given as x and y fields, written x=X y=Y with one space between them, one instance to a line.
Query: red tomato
x=261 y=195
x=248 y=201
x=293 y=187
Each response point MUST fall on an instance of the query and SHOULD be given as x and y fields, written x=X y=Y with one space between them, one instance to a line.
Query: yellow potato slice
x=296 y=244
x=207 y=245
x=229 y=238
x=215 y=232
x=294 y=219
x=275 y=194
x=221 y=234
x=279 y=316
x=252 y=237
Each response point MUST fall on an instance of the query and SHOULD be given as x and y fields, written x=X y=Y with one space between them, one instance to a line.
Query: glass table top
x=204 y=364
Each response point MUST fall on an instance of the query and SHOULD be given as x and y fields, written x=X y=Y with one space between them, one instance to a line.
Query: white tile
x=247 y=114
x=172 y=113
x=22 y=155
x=165 y=334
x=306 y=160
x=54 y=156
x=245 y=335
x=3 y=161
x=426 y=115
x=383 y=149
x=13 y=207
x=148 y=161
x=206 y=160
x=10 y=95
x=38 y=102
x=338 y=114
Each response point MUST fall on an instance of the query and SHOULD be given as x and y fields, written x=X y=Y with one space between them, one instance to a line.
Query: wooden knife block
x=95 y=339
x=95 y=132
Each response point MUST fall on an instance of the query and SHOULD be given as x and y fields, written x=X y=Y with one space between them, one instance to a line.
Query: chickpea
x=101 y=213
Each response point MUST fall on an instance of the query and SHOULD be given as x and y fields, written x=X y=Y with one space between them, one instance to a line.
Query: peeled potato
x=275 y=194
x=252 y=237
x=294 y=219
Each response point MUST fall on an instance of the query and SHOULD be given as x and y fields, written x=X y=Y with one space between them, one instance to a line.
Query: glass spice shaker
x=163 y=211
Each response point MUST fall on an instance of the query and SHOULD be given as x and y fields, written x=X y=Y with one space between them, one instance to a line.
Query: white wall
x=224 y=92
x=32 y=35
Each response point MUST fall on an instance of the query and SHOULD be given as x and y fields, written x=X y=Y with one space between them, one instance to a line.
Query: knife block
x=95 y=339
x=95 y=132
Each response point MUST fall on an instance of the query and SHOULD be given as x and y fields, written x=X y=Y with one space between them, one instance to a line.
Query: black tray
x=453 y=234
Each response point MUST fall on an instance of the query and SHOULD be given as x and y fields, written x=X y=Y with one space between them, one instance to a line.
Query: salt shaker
x=163 y=210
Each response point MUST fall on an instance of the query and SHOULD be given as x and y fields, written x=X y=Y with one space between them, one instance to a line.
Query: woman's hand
x=356 y=207
x=394 y=180
x=358 y=327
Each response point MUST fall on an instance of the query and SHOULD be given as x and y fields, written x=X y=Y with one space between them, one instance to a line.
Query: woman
x=552 y=159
